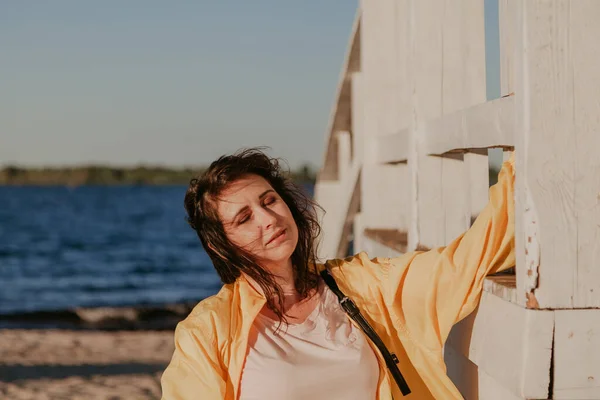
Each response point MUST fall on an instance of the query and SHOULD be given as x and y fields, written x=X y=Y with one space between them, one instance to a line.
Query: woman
x=276 y=331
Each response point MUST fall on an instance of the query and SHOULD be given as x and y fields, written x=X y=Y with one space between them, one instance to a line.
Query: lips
x=276 y=236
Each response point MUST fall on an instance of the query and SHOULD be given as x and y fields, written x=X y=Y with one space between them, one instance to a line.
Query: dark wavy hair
x=230 y=260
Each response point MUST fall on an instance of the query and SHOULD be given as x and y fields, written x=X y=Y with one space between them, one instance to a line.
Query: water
x=89 y=246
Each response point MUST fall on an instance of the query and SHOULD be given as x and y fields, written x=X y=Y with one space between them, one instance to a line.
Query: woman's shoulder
x=210 y=311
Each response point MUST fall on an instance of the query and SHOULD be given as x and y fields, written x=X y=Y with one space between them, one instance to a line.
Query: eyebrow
x=263 y=194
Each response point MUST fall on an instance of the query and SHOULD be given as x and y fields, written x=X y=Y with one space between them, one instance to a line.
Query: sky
x=174 y=83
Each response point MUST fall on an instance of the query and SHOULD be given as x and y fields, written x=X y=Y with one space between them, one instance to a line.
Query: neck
x=284 y=276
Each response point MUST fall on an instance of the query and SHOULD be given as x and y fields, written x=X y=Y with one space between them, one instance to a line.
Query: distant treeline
x=104 y=175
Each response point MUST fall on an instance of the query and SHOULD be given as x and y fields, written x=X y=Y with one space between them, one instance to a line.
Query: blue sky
x=171 y=83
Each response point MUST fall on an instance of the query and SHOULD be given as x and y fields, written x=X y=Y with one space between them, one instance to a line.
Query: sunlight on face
x=257 y=220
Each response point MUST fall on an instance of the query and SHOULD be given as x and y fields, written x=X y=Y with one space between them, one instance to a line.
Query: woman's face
x=257 y=220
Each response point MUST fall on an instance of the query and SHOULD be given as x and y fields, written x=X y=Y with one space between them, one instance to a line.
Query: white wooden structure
x=406 y=168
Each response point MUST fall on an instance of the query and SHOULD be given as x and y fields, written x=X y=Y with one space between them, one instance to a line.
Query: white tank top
x=325 y=357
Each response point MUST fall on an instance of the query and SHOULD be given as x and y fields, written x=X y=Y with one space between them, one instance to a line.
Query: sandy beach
x=82 y=364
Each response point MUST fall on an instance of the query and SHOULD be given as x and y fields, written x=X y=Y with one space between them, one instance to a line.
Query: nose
x=267 y=218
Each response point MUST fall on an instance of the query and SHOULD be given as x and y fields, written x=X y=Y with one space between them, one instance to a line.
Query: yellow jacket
x=411 y=301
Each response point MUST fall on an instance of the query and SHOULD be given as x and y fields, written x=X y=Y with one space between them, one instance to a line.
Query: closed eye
x=244 y=219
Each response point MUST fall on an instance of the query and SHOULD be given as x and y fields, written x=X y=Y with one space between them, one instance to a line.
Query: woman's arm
x=431 y=291
x=194 y=371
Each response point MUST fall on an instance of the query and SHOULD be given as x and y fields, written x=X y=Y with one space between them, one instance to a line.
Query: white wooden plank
x=406 y=112
x=340 y=108
x=463 y=85
x=473 y=383
x=455 y=95
x=557 y=86
x=339 y=200
x=326 y=193
x=393 y=148
x=485 y=125
x=427 y=19
x=455 y=196
x=357 y=110
x=509 y=343
x=527 y=227
x=357 y=233
x=508 y=35
x=490 y=389
x=431 y=217
x=526 y=283
x=403 y=115
x=478 y=177
x=384 y=200
x=577 y=354
x=344 y=153
x=426 y=71
x=379 y=66
x=502 y=286
x=413 y=192
x=464 y=81
x=585 y=56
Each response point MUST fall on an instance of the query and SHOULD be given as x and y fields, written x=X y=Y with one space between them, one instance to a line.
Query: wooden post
x=385 y=97
x=559 y=168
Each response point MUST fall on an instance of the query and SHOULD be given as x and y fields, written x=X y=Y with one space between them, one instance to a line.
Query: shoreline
x=117 y=318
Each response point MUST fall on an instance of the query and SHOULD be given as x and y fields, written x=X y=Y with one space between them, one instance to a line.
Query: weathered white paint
x=511 y=344
x=528 y=235
x=577 y=354
x=485 y=125
x=557 y=86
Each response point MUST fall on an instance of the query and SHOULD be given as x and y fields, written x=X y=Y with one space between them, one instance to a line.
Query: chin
x=281 y=254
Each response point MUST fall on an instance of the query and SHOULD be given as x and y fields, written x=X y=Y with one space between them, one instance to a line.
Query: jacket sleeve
x=194 y=371
x=431 y=291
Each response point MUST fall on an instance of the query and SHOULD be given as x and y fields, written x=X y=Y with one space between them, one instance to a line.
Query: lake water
x=89 y=246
